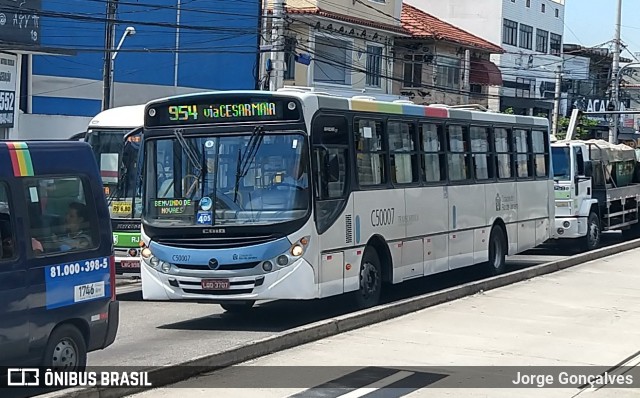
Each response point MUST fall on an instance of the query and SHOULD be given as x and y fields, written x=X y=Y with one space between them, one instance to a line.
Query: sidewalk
x=585 y=315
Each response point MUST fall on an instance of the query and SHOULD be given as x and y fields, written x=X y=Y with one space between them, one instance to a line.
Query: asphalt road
x=162 y=333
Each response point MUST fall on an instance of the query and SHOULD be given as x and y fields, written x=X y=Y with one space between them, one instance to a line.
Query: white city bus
x=106 y=135
x=255 y=195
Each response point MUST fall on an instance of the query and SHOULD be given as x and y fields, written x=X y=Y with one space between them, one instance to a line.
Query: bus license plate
x=215 y=284
x=130 y=264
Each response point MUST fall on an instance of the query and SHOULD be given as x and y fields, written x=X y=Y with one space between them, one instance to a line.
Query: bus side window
x=7 y=236
x=65 y=221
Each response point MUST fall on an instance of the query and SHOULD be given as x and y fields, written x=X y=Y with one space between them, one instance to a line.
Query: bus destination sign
x=206 y=111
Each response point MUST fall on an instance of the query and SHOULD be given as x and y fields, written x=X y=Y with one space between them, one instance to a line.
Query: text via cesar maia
x=21 y=377
x=57 y=271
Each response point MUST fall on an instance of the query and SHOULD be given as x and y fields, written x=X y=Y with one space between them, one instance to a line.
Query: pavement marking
x=372 y=382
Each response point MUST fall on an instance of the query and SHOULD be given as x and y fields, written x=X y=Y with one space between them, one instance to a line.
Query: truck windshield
x=249 y=179
x=561 y=163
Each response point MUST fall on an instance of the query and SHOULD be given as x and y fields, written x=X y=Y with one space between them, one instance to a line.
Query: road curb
x=171 y=374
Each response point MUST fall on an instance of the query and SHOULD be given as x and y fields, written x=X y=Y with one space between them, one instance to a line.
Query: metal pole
x=176 y=57
x=556 y=100
x=613 y=132
x=109 y=42
x=277 y=53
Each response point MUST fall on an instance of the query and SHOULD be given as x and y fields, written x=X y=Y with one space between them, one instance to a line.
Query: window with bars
x=510 y=32
x=526 y=36
x=290 y=58
x=412 y=75
x=374 y=66
x=542 y=41
x=555 y=44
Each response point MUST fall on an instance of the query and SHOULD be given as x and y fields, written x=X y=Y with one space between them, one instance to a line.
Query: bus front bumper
x=296 y=281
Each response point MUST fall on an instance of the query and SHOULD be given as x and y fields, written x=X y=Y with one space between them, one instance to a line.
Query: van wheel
x=66 y=349
x=238 y=307
x=592 y=240
x=368 y=294
x=497 y=252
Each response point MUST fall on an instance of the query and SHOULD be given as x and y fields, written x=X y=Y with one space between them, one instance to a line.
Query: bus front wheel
x=66 y=349
x=368 y=294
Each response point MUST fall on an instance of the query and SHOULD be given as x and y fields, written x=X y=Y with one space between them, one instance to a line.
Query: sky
x=592 y=22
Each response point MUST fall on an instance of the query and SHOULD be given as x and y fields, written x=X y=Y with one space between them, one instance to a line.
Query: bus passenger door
x=333 y=215
x=14 y=336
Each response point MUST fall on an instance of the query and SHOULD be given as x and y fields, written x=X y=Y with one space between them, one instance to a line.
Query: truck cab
x=574 y=202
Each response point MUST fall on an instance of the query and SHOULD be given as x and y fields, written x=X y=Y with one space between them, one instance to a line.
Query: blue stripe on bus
x=237 y=255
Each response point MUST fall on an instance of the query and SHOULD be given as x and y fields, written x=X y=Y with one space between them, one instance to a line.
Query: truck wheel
x=592 y=239
x=66 y=349
x=497 y=251
x=368 y=295
x=238 y=307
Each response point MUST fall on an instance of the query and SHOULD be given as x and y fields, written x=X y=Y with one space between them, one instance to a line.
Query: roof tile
x=423 y=25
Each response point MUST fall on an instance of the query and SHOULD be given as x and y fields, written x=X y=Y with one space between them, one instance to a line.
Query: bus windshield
x=561 y=163
x=118 y=169
x=249 y=179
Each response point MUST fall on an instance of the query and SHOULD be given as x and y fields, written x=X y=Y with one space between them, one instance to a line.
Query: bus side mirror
x=588 y=169
x=332 y=167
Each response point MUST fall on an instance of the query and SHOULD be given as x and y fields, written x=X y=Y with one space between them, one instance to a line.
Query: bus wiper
x=191 y=155
x=244 y=160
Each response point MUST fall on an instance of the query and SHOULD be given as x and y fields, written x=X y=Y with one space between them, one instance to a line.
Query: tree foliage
x=582 y=129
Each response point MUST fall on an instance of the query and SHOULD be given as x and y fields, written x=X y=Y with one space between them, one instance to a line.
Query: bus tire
x=370 y=277
x=238 y=307
x=591 y=240
x=66 y=349
x=497 y=251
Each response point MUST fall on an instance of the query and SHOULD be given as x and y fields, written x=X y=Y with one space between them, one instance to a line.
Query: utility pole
x=556 y=100
x=277 y=52
x=613 y=132
x=109 y=42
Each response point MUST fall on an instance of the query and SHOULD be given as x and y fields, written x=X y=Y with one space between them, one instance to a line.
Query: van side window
x=7 y=236
x=61 y=219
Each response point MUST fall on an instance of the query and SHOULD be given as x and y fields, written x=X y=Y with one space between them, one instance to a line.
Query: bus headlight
x=146 y=252
x=289 y=257
x=165 y=267
x=154 y=261
x=298 y=248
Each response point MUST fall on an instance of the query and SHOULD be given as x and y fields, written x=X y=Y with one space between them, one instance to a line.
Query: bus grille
x=215 y=243
x=222 y=267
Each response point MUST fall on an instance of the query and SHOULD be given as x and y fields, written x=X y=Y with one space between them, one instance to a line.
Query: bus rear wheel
x=368 y=294
x=238 y=307
x=497 y=251
x=66 y=349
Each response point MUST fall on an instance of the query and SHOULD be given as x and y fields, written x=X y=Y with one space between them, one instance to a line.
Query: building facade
x=531 y=34
x=341 y=47
x=442 y=64
x=178 y=47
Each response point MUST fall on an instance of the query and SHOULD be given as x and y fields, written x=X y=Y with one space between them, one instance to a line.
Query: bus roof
x=130 y=117
x=363 y=103
x=32 y=158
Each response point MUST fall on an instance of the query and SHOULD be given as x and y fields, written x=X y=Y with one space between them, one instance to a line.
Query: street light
x=130 y=31
x=613 y=133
